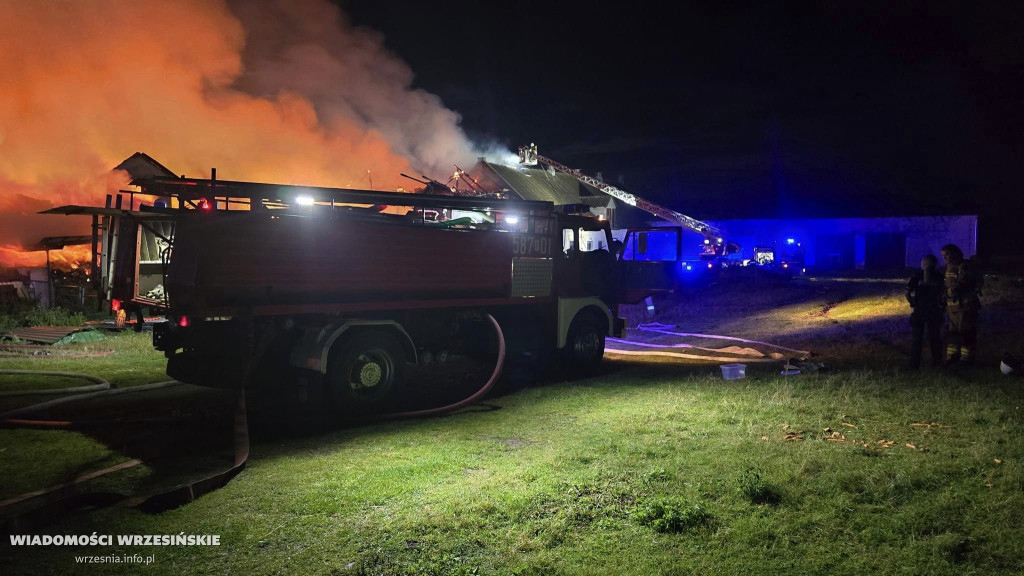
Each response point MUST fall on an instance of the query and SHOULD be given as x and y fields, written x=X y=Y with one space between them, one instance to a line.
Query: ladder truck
x=715 y=243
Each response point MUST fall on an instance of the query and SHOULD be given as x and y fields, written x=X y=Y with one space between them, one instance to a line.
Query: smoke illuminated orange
x=278 y=91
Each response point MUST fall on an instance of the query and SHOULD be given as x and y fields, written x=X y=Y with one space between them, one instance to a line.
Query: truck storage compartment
x=260 y=258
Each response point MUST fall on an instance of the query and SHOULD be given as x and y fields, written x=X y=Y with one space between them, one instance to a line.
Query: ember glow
x=68 y=259
x=278 y=91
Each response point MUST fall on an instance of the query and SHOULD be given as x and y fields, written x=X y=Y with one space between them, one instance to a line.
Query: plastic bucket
x=733 y=371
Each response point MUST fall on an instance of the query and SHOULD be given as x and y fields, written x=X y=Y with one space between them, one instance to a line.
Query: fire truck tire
x=366 y=371
x=584 y=344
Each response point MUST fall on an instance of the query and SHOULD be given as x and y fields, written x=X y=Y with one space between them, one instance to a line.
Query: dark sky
x=770 y=109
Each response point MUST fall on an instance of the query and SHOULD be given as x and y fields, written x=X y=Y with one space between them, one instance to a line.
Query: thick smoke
x=283 y=91
x=311 y=48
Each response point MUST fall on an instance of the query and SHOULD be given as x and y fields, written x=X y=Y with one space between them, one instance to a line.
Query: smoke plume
x=280 y=90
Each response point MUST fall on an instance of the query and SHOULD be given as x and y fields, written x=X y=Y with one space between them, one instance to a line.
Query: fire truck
x=785 y=257
x=335 y=292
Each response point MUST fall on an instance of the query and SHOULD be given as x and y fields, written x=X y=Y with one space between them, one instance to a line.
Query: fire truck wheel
x=365 y=372
x=584 y=345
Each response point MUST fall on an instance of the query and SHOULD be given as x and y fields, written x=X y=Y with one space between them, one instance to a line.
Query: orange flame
x=280 y=92
x=68 y=259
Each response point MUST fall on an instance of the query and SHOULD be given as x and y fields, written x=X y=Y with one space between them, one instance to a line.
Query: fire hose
x=57 y=502
x=684 y=356
x=97 y=384
x=39 y=351
x=471 y=399
x=661 y=328
x=667 y=350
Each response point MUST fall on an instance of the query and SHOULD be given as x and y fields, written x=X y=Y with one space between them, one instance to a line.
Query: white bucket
x=733 y=371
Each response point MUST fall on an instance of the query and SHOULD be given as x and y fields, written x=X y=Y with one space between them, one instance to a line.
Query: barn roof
x=535 y=183
x=142 y=165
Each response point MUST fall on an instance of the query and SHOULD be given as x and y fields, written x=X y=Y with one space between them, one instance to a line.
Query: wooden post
x=49 y=281
x=94 y=262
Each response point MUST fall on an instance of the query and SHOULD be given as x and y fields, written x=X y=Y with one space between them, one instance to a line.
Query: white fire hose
x=668 y=350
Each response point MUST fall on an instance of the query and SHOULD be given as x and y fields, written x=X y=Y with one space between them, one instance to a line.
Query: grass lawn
x=648 y=468
x=34 y=459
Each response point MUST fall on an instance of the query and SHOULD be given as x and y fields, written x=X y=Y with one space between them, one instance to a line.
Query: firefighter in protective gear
x=962 y=305
x=926 y=295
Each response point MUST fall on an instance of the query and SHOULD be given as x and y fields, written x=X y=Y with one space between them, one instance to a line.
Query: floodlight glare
x=512 y=219
x=304 y=200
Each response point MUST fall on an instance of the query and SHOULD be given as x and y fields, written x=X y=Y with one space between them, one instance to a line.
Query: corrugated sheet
x=45 y=334
x=602 y=201
x=58 y=242
x=541 y=184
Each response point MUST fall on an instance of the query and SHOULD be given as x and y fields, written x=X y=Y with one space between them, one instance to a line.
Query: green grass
x=651 y=468
x=561 y=480
x=134 y=362
x=35 y=459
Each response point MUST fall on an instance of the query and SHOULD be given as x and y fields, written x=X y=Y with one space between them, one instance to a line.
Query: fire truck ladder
x=528 y=155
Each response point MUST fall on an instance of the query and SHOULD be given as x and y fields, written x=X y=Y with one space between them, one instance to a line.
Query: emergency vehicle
x=335 y=292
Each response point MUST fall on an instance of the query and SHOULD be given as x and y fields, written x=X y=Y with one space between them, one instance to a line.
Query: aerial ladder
x=714 y=239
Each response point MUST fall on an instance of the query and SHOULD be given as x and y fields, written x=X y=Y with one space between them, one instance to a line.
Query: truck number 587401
x=531 y=245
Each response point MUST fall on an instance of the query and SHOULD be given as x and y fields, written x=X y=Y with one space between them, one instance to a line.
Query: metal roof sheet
x=602 y=201
x=45 y=334
x=58 y=242
x=541 y=184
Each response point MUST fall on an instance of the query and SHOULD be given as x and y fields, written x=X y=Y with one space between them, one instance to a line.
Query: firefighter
x=962 y=305
x=926 y=297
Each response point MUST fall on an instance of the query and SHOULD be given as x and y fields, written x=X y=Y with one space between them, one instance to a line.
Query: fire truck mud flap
x=211 y=371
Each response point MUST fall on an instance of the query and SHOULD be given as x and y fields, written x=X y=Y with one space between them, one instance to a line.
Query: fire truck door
x=650 y=261
x=140 y=252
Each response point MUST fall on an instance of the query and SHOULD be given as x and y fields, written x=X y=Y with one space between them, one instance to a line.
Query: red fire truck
x=342 y=289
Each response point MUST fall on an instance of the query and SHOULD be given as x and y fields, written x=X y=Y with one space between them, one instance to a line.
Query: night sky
x=771 y=109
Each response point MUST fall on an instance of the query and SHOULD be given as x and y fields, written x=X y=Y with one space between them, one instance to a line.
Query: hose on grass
x=32 y=351
x=471 y=399
x=59 y=502
x=686 y=356
x=98 y=383
x=662 y=329
x=8 y=419
x=668 y=350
